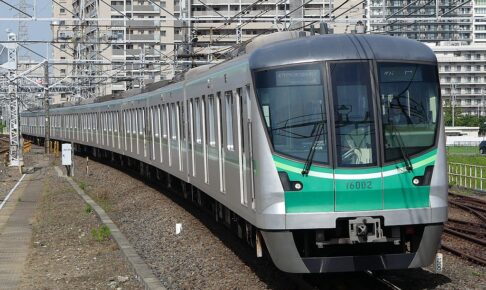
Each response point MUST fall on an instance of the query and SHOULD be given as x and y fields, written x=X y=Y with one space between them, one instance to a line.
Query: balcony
x=136 y=8
x=137 y=52
x=142 y=37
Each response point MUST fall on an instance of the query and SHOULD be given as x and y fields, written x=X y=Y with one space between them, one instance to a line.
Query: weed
x=101 y=233
x=476 y=274
x=102 y=198
x=19 y=199
x=82 y=185
x=88 y=209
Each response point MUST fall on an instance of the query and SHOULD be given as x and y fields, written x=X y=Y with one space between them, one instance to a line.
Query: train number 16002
x=359 y=185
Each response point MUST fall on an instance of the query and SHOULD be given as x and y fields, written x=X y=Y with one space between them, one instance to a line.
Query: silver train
x=327 y=151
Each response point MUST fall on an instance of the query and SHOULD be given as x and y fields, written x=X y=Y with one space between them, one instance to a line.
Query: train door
x=231 y=166
x=247 y=158
x=152 y=118
x=358 y=182
x=190 y=137
x=198 y=140
x=147 y=132
x=165 y=134
x=131 y=129
x=174 y=135
x=204 y=136
x=182 y=135
x=220 y=142
x=114 y=130
x=212 y=163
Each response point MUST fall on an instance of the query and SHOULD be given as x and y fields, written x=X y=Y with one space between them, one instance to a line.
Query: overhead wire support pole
x=15 y=152
x=47 y=123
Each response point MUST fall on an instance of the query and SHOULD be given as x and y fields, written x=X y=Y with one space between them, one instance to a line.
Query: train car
x=329 y=147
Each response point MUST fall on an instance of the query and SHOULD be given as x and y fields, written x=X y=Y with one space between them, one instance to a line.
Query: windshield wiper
x=398 y=136
x=310 y=157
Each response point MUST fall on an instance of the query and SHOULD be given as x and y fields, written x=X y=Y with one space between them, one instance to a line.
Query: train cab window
x=353 y=114
x=409 y=95
x=293 y=107
x=229 y=105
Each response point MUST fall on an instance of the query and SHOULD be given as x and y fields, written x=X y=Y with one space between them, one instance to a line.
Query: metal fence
x=467 y=175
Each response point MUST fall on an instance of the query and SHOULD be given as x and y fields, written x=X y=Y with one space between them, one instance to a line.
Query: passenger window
x=197 y=121
x=229 y=120
x=173 y=121
x=211 y=127
x=163 y=121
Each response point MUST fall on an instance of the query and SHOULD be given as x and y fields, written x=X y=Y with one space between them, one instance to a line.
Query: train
x=325 y=152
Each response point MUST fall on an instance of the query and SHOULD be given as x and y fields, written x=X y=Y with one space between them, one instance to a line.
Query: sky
x=37 y=30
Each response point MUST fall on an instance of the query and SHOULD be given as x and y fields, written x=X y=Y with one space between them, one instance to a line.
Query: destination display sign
x=298 y=77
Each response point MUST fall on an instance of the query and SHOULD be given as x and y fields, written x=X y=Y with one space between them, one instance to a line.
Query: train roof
x=340 y=47
x=299 y=50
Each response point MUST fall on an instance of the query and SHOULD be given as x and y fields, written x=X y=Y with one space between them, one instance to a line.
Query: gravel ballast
x=205 y=256
x=64 y=252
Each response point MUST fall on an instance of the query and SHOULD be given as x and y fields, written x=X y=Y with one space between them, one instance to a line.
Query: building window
x=62 y=10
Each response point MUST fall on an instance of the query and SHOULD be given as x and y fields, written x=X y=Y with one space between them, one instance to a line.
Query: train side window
x=115 y=121
x=134 y=121
x=182 y=133
x=156 y=121
x=211 y=127
x=173 y=121
x=110 y=121
x=140 y=121
x=197 y=120
x=229 y=120
x=163 y=121
x=143 y=113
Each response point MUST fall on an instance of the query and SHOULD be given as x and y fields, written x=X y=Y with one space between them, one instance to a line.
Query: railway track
x=4 y=144
x=473 y=233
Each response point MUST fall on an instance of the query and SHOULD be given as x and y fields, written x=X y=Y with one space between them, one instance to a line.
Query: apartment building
x=424 y=20
x=112 y=46
x=462 y=71
x=222 y=24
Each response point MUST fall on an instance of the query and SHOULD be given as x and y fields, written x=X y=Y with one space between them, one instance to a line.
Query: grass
x=466 y=159
x=467 y=175
x=88 y=209
x=82 y=185
x=101 y=233
x=460 y=150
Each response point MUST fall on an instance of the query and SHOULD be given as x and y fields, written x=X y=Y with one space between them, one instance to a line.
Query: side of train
x=273 y=139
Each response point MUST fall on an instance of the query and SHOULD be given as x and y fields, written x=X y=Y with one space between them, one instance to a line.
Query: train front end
x=354 y=175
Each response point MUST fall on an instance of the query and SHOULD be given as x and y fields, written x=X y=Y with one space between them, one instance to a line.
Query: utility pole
x=47 y=124
x=453 y=102
x=15 y=153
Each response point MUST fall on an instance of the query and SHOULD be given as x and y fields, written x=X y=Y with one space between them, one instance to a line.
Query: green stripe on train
x=356 y=189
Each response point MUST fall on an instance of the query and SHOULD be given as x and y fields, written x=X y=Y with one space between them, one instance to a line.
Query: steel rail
x=464 y=236
x=473 y=224
x=467 y=208
x=473 y=258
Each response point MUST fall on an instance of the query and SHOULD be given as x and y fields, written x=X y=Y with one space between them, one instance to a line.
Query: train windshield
x=409 y=96
x=292 y=102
